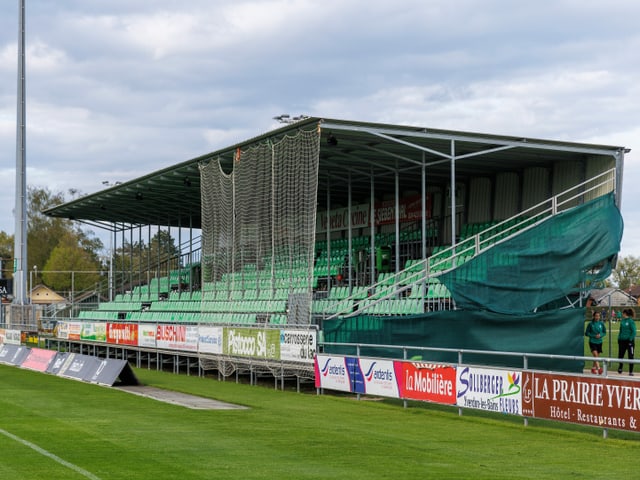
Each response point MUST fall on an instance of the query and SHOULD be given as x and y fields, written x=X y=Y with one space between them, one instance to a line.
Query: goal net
x=258 y=223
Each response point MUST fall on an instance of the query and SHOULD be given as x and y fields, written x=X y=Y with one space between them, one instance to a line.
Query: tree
x=163 y=247
x=159 y=257
x=45 y=234
x=70 y=256
x=627 y=272
x=6 y=254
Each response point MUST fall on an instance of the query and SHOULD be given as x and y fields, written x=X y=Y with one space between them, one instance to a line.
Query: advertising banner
x=252 y=342
x=338 y=219
x=38 y=359
x=110 y=370
x=379 y=377
x=74 y=330
x=332 y=373
x=13 y=354
x=147 y=335
x=210 y=339
x=596 y=401
x=409 y=208
x=6 y=287
x=177 y=337
x=394 y=379
x=107 y=371
x=94 y=331
x=298 y=345
x=78 y=367
x=61 y=330
x=489 y=389
x=122 y=334
x=57 y=363
x=12 y=337
x=427 y=382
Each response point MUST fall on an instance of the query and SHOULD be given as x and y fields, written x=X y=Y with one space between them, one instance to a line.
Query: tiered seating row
x=246 y=311
x=238 y=295
x=412 y=303
x=243 y=295
x=405 y=306
x=186 y=317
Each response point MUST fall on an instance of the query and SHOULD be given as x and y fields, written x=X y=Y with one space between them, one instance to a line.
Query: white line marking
x=50 y=455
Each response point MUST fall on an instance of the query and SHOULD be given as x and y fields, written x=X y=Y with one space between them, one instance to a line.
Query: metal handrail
x=423 y=270
x=606 y=361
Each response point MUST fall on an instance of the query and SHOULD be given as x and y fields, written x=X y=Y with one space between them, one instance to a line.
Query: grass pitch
x=53 y=428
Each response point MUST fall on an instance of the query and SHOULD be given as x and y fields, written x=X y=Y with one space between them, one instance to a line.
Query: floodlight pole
x=20 y=244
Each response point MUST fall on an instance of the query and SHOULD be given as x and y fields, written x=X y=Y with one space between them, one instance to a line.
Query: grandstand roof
x=350 y=152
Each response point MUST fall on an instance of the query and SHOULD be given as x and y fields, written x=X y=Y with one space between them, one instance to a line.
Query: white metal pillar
x=452 y=190
x=20 y=240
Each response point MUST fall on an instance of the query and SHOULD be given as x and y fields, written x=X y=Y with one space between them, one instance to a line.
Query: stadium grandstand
x=364 y=233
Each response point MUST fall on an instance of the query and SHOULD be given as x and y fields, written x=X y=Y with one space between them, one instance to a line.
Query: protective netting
x=258 y=223
x=563 y=254
x=217 y=243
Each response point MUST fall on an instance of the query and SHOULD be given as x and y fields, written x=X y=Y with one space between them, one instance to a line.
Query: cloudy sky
x=119 y=88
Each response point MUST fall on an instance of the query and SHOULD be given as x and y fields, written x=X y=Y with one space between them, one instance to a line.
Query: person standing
x=627 y=338
x=596 y=331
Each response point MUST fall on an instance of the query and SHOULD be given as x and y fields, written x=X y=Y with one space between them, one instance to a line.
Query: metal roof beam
x=523 y=143
x=352 y=157
x=394 y=155
x=484 y=152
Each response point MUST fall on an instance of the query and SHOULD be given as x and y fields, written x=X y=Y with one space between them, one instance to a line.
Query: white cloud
x=118 y=89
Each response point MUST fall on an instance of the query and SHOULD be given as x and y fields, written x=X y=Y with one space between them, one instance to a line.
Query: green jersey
x=594 y=329
x=627 y=329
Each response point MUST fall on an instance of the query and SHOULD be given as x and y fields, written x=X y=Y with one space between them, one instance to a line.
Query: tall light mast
x=20 y=245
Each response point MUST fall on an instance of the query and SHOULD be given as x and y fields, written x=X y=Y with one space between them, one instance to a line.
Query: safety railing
x=422 y=271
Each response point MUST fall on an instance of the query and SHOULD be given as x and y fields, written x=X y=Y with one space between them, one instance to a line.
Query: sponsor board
x=378 y=377
x=409 y=209
x=332 y=373
x=338 y=219
x=122 y=334
x=356 y=376
x=58 y=362
x=427 y=382
x=61 y=330
x=70 y=365
x=177 y=337
x=78 y=366
x=13 y=354
x=74 y=330
x=489 y=389
x=596 y=401
x=12 y=337
x=388 y=378
x=38 y=359
x=94 y=331
x=108 y=370
x=252 y=342
x=6 y=287
x=147 y=335
x=210 y=340
x=298 y=345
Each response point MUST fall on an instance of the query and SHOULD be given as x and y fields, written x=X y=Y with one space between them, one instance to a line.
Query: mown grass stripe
x=50 y=455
